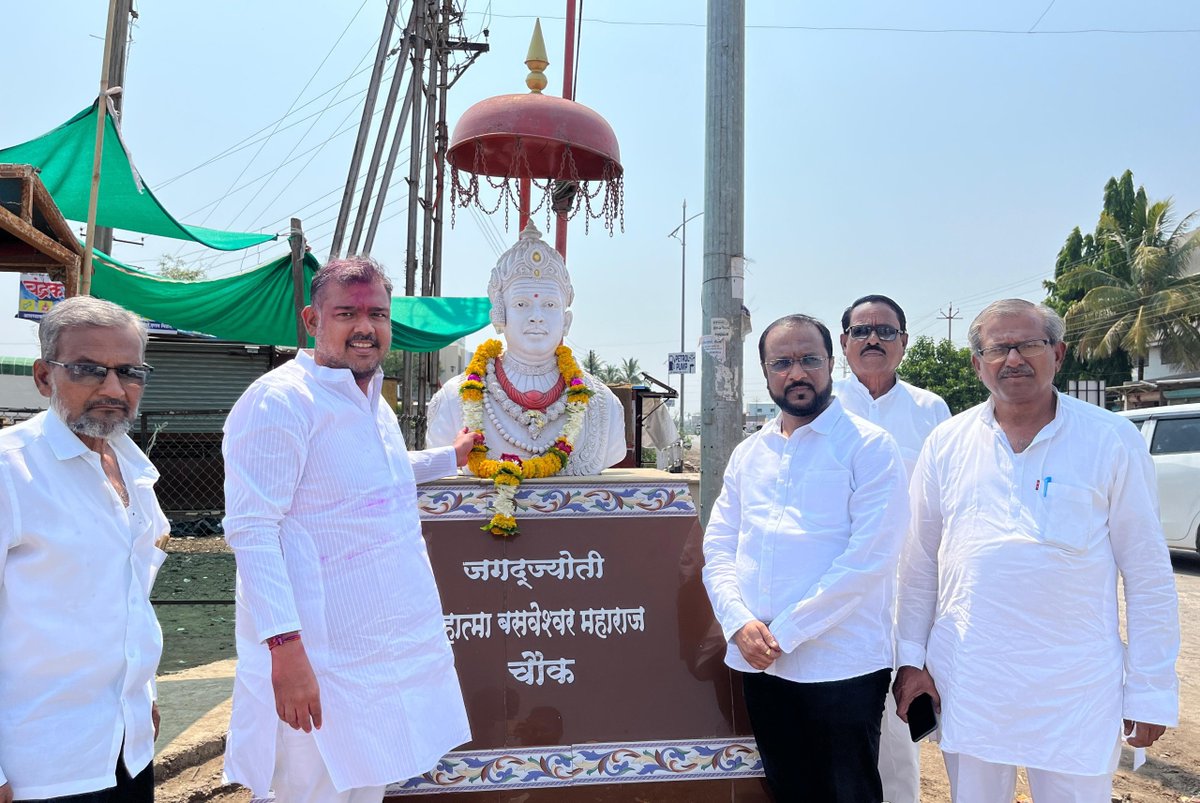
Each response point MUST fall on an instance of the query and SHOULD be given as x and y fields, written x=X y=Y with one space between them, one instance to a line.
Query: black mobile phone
x=922 y=720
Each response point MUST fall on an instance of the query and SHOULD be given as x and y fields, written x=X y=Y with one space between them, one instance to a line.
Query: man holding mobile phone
x=1025 y=509
x=873 y=341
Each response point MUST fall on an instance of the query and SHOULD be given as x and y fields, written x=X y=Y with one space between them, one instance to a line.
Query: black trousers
x=819 y=742
x=138 y=789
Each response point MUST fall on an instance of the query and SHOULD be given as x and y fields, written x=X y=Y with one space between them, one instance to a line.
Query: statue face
x=535 y=318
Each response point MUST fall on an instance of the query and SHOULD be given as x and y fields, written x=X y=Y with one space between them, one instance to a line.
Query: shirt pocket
x=1068 y=517
x=825 y=498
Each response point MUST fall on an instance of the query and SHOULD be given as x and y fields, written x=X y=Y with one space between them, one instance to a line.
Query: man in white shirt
x=345 y=678
x=800 y=562
x=873 y=342
x=79 y=642
x=1026 y=509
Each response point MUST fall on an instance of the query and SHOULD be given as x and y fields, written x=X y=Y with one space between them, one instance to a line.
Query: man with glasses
x=79 y=642
x=873 y=342
x=800 y=563
x=1026 y=509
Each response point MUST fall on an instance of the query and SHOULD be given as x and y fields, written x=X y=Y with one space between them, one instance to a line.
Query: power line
x=292 y=106
x=869 y=28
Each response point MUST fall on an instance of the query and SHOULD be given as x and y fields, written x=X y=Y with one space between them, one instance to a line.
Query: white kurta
x=907 y=412
x=322 y=518
x=804 y=537
x=1009 y=589
x=79 y=642
x=602 y=443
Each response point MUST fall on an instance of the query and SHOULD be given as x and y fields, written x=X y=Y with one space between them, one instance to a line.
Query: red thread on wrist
x=283 y=638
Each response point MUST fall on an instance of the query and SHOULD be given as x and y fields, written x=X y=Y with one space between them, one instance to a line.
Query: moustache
x=800 y=384
x=115 y=404
x=360 y=339
x=872 y=348
x=1007 y=372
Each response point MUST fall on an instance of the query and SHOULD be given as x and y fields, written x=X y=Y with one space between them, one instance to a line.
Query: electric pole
x=724 y=224
x=118 y=49
x=950 y=316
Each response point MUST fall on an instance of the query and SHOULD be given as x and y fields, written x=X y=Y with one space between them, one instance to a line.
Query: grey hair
x=348 y=270
x=1053 y=323
x=85 y=311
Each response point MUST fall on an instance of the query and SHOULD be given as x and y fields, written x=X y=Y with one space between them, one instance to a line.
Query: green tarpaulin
x=256 y=306
x=65 y=157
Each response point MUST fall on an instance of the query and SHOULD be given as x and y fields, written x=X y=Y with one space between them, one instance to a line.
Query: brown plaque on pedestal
x=586 y=647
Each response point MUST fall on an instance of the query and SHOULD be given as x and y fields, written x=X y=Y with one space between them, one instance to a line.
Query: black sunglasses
x=861 y=331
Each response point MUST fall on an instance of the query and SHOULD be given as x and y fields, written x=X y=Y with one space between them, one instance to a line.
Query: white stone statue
x=526 y=391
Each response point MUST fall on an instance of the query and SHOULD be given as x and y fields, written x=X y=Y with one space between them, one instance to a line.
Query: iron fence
x=185 y=447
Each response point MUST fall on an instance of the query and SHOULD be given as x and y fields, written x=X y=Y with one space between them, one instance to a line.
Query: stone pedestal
x=588 y=654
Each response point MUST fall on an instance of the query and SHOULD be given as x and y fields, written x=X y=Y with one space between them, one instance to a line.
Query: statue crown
x=530 y=258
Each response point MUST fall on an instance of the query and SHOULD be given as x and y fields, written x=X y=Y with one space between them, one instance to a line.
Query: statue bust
x=526 y=390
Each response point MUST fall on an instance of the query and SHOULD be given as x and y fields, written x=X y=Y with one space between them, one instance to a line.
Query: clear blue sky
x=935 y=167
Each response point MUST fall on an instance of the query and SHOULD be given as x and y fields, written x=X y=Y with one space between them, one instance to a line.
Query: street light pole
x=682 y=229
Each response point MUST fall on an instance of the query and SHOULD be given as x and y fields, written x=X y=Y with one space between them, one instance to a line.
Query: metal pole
x=380 y=140
x=560 y=219
x=682 y=308
x=85 y=270
x=414 y=202
x=724 y=185
x=364 y=128
x=116 y=78
x=296 y=240
x=386 y=181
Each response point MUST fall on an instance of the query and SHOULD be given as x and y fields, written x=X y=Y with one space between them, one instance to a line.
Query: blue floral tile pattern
x=445 y=501
x=634 y=762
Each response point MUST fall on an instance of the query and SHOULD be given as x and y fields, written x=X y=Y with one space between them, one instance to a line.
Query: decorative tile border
x=463 y=501
x=635 y=762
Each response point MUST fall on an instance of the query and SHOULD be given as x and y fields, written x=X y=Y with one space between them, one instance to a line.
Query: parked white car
x=1173 y=434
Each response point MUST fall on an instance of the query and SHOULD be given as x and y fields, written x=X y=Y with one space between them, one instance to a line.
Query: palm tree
x=1158 y=304
x=631 y=372
x=610 y=374
x=592 y=363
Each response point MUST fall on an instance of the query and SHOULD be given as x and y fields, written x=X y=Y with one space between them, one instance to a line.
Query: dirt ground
x=202 y=569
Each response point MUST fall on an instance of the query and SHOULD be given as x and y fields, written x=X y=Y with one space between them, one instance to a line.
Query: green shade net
x=65 y=157
x=257 y=306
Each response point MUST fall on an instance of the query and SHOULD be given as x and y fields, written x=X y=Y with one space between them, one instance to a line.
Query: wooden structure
x=34 y=236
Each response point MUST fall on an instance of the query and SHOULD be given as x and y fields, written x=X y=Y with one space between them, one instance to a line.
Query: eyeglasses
x=861 y=331
x=89 y=373
x=809 y=362
x=1030 y=348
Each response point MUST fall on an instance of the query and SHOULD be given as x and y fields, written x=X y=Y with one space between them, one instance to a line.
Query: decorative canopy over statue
x=535 y=412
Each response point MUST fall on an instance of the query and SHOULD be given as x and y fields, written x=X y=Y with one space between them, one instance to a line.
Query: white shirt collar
x=823 y=424
x=339 y=377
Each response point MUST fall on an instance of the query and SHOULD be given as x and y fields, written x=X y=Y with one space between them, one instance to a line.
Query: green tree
x=945 y=370
x=610 y=374
x=592 y=362
x=1125 y=211
x=630 y=371
x=1143 y=298
x=170 y=267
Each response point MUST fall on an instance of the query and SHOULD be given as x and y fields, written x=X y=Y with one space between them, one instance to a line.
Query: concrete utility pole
x=950 y=316
x=724 y=184
x=118 y=48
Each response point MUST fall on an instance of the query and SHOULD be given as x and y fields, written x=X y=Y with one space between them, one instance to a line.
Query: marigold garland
x=508 y=472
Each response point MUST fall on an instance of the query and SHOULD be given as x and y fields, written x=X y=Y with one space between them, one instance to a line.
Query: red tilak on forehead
x=535 y=295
